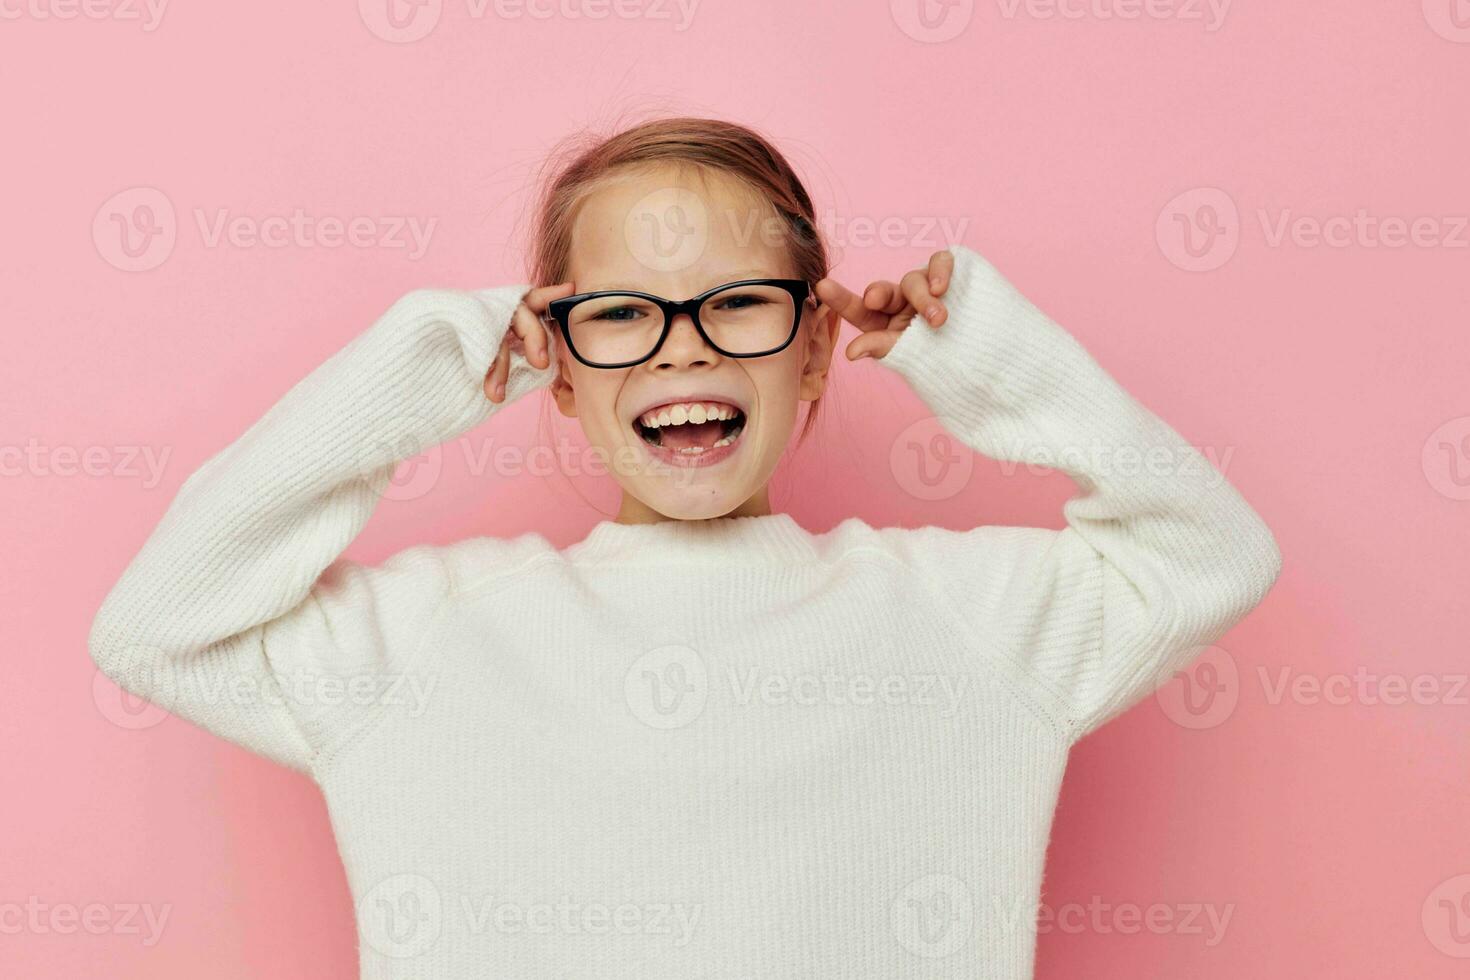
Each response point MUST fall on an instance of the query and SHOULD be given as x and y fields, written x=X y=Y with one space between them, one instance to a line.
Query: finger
x=915 y=286
x=941 y=269
x=850 y=306
x=536 y=299
x=874 y=344
x=532 y=332
x=499 y=370
x=885 y=297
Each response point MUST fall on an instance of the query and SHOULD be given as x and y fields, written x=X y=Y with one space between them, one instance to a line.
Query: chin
x=693 y=503
x=698 y=492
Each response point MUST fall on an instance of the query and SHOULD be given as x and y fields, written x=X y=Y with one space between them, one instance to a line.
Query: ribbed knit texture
x=718 y=749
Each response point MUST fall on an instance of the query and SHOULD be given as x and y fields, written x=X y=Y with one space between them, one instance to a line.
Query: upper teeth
x=681 y=412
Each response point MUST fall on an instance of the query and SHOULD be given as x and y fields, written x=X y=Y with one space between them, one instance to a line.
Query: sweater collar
x=765 y=537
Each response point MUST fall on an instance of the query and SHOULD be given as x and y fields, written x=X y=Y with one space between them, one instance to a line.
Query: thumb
x=874 y=344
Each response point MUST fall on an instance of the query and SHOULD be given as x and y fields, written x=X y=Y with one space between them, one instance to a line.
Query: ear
x=826 y=323
x=561 y=384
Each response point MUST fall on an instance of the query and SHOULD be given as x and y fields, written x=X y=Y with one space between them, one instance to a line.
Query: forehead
x=675 y=232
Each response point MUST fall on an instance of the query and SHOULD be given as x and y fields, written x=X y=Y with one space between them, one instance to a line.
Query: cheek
x=777 y=383
x=601 y=412
x=595 y=394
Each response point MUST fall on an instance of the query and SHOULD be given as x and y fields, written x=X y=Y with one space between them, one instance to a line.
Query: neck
x=634 y=511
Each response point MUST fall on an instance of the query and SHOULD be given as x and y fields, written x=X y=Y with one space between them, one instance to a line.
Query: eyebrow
x=735 y=276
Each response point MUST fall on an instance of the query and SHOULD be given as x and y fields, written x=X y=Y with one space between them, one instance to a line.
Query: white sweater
x=716 y=749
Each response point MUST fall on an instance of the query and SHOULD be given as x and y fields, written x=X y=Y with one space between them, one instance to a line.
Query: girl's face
x=676 y=233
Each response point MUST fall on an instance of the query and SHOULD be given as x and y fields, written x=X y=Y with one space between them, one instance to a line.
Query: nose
x=683 y=347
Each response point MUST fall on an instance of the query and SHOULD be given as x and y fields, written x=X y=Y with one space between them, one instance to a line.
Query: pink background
x=1071 y=150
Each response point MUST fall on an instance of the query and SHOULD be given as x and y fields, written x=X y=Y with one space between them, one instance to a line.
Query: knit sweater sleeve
x=1159 y=556
x=237 y=614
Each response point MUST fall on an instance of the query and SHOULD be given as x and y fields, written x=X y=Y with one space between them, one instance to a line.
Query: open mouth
x=691 y=428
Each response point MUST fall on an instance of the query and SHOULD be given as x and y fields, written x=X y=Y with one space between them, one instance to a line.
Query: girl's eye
x=748 y=301
x=611 y=314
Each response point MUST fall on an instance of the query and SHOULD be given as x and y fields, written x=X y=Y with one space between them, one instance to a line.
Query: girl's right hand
x=886 y=308
x=526 y=335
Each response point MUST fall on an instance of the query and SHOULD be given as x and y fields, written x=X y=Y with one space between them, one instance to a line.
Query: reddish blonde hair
x=583 y=161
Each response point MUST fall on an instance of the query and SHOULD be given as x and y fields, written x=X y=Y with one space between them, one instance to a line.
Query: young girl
x=703 y=741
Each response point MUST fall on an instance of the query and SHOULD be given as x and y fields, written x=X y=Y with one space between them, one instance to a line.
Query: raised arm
x=237 y=614
x=1160 y=554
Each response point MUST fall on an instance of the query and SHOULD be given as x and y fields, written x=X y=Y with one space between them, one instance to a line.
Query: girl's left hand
x=886 y=308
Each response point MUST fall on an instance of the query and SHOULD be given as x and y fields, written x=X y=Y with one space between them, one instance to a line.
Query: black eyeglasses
x=618 y=328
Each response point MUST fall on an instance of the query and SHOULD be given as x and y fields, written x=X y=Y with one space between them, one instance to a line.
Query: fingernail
x=933 y=314
x=499 y=389
x=934 y=283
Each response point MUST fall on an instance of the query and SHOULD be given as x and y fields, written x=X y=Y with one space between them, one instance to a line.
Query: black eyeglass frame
x=561 y=309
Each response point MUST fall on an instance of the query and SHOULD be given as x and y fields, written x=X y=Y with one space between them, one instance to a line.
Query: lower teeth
x=696 y=450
